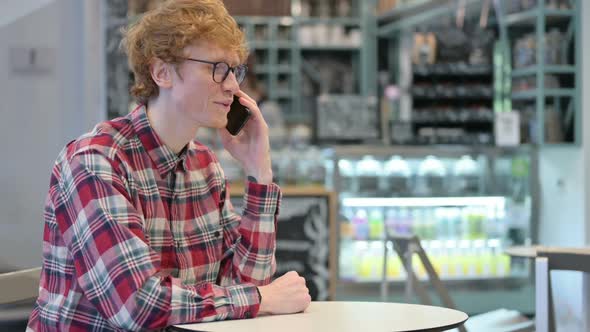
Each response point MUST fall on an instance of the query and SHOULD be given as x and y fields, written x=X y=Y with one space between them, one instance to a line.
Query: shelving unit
x=275 y=47
x=565 y=99
x=553 y=69
x=282 y=59
x=117 y=71
x=272 y=41
x=445 y=102
x=546 y=93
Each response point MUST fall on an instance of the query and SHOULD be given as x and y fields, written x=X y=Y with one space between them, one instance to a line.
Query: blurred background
x=458 y=121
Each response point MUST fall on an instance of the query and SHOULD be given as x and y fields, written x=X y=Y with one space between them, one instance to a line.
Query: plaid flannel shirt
x=139 y=238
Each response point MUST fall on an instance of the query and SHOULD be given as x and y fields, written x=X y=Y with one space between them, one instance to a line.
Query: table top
x=345 y=317
x=532 y=251
x=523 y=251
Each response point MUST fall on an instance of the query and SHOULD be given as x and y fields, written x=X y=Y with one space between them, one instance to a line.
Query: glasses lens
x=220 y=72
x=240 y=73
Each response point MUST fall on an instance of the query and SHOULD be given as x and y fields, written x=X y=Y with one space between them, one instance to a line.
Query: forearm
x=161 y=302
x=209 y=302
x=251 y=239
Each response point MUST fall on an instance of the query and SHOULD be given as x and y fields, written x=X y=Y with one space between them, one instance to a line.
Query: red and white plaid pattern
x=137 y=237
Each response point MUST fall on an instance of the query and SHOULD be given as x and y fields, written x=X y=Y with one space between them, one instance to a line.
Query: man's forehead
x=213 y=52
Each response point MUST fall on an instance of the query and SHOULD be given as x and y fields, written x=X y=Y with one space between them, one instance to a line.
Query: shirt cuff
x=245 y=301
x=262 y=199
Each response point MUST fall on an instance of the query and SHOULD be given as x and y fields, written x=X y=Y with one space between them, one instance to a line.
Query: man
x=139 y=229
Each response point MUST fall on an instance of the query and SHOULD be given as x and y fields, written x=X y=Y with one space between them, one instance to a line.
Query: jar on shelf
x=397 y=177
x=431 y=177
x=368 y=171
x=466 y=176
x=347 y=171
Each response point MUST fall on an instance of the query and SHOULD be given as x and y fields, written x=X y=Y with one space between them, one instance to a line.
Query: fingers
x=289 y=286
x=250 y=103
x=247 y=100
x=242 y=94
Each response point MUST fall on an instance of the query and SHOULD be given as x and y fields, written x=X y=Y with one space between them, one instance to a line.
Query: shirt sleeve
x=249 y=241
x=116 y=269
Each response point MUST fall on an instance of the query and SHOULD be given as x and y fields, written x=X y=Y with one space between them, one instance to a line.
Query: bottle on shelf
x=430 y=227
x=394 y=264
x=405 y=222
x=442 y=223
x=502 y=262
x=454 y=223
x=376 y=260
x=392 y=221
x=346 y=226
x=477 y=254
x=418 y=224
x=376 y=224
x=362 y=260
x=360 y=225
x=348 y=260
x=487 y=262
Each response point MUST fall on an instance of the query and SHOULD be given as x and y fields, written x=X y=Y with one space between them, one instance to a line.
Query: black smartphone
x=237 y=117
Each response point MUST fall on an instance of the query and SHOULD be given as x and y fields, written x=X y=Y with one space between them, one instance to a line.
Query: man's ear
x=161 y=73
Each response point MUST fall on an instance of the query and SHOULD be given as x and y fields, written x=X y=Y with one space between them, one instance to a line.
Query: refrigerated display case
x=466 y=205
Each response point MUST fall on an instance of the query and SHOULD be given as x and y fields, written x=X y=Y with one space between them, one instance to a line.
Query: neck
x=170 y=125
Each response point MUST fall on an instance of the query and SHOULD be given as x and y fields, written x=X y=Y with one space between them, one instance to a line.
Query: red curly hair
x=165 y=31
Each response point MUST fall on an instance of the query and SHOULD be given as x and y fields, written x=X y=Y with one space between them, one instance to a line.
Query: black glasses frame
x=226 y=74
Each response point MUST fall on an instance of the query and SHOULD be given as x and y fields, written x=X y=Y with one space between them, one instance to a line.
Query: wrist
x=261 y=177
x=263 y=304
x=259 y=295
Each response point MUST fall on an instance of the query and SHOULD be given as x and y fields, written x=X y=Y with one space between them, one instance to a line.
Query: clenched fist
x=287 y=294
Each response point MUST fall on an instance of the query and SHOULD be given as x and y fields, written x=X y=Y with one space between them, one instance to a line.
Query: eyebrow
x=221 y=59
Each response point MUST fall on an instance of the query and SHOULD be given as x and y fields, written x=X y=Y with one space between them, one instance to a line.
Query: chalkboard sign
x=305 y=238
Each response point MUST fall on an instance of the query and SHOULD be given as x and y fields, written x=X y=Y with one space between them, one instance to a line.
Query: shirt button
x=248 y=314
x=217 y=234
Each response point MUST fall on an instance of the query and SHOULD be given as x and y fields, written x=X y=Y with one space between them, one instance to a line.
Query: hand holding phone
x=237 y=117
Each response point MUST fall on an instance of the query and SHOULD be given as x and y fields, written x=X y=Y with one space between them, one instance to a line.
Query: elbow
x=137 y=320
x=148 y=309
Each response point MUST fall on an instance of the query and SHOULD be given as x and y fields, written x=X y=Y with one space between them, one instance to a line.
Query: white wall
x=585 y=23
x=562 y=224
x=41 y=112
x=12 y=10
x=565 y=214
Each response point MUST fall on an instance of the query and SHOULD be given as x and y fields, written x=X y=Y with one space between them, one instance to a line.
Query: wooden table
x=344 y=317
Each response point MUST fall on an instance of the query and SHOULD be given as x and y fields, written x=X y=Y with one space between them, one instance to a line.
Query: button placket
x=175 y=218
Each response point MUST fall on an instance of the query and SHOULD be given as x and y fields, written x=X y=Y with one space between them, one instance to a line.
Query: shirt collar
x=161 y=155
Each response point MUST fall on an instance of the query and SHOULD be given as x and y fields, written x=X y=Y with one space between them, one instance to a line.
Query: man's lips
x=224 y=103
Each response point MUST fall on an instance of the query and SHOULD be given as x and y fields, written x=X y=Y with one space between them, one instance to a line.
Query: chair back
x=19 y=285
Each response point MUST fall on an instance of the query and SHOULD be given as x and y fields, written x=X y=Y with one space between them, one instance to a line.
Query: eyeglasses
x=221 y=70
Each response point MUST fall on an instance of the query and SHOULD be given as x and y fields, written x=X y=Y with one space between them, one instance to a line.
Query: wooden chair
x=548 y=259
x=18 y=292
